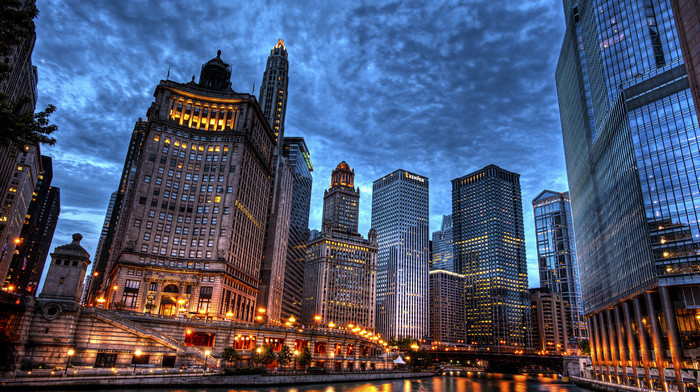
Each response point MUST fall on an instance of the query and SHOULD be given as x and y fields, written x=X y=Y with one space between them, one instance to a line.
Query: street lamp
x=70 y=354
x=206 y=360
x=296 y=352
x=137 y=354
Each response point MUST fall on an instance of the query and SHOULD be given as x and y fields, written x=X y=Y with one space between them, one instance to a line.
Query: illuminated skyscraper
x=273 y=90
x=556 y=255
x=340 y=274
x=400 y=217
x=630 y=132
x=447 y=326
x=297 y=154
x=189 y=235
x=489 y=250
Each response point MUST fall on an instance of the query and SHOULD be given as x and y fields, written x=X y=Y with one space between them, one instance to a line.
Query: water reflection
x=473 y=382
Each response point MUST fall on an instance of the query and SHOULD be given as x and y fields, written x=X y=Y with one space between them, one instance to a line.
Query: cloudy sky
x=436 y=88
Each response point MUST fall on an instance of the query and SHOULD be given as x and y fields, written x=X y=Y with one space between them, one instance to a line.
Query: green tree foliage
x=284 y=357
x=585 y=347
x=265 y=357
x=419 y=359
x=304 y=359
x=402 y=343
x=230 y=355
x=19 y=127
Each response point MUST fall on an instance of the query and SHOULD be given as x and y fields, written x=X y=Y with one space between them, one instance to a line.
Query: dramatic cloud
x=438 y=88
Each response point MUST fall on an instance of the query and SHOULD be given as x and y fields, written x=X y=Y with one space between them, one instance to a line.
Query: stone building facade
x=189 y=238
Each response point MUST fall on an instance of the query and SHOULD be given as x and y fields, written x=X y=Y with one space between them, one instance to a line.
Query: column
x=657 y=339
x=621 y=343
x=599 y=348
x=591 y=343
x=644 y=344
x=634 y=354
x=674 y=336
x=612 y=335
x=605 y=342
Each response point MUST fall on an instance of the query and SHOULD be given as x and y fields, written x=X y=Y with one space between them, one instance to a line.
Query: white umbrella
x=399 y=361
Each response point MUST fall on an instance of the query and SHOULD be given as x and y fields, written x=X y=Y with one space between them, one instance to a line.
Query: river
x=445 y=383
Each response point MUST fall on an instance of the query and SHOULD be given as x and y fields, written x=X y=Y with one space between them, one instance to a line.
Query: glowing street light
x=137 y=354
x=296 y=352
x=70 y=355
x=206 y=360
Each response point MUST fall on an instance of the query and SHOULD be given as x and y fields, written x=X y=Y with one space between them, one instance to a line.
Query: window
x=146 y=178
x=226 y=210
x=229 y=189
x=205 y=294
x=159 y=180
x=131 y=292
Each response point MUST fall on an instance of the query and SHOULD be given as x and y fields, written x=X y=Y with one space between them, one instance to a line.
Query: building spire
x=273 y=90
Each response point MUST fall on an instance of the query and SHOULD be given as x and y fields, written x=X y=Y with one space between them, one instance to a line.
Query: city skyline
x=489 y=84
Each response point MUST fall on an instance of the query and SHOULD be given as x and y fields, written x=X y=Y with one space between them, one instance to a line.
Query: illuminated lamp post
x=206 y=360
x=70 y=355
x=296 y=352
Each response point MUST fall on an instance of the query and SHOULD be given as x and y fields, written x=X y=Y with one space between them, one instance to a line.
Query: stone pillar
x=674 y=336
x=601 y=348
x=621 y=343
x=644 y=344
x=657 y=339
x=605 y=344
x=591 y=344
x=633 y=351
x=612 y=336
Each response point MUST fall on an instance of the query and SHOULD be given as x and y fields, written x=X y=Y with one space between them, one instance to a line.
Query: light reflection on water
x=446 y=383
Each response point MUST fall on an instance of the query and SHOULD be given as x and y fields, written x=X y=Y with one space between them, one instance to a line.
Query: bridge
x=504 y=361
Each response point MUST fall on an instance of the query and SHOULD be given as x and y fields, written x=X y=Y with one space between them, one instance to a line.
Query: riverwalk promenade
x=123 y=379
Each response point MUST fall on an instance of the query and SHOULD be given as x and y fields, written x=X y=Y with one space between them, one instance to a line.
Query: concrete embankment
x=603 y=386
x=199 y=380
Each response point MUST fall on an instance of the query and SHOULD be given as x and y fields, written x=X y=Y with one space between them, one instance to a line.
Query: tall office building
x=489 y=250
x=550 y=322
x=273 y=90
x=340 y=274
x=189 y=236
x=442 y=246
x=37 y=232
x=556 y=255
x=296 y=152
x=630 y=134
x=447 y=326
x=400 y=217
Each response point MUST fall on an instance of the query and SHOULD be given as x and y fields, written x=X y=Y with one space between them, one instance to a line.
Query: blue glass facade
x=442 y=246
x=556 y=257
x=630 y=135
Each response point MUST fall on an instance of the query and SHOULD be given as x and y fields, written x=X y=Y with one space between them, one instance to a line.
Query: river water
x=445 y=383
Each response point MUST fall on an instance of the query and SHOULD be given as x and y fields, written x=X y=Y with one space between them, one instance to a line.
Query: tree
x=402 y=343
x=19 y=126
x=284 y=356
x=585 y=347
x=419 y=359
x=265 y=357
x=304 y=359
x=230 y=355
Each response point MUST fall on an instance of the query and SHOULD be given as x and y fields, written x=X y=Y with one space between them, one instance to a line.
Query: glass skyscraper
x=400 y=217
x=442 y=246
x=630 y=135
x=297 y=153
x=489 y=250
x=556 y=257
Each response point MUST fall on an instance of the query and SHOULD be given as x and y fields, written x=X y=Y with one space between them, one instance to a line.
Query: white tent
x=399 y=361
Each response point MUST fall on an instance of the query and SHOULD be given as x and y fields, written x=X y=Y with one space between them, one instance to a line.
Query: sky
x=438 y=88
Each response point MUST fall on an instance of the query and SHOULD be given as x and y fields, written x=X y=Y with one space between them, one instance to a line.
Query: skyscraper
x=296 y=152
x=630 y=134
x=556 y=255
x=340 y=274
x=550 y=324
x=442 y=246
x=37 y=232
x=489 y=250
x=189 y=236
x=447 y=326
x=400 y=217
x=273 y=90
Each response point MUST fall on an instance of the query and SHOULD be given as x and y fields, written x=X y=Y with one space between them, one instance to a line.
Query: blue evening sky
x=438 y=88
